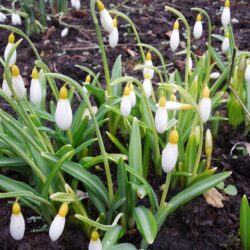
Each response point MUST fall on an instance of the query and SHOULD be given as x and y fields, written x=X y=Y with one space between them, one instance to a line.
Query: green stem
x=165 y=190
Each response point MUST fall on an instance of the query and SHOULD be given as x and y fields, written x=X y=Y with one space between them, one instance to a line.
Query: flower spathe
x=57 y=225
x=87 y=81
x=226 y=43
x=205 y=105
x=11 y=41
x=148 y=62
x=132 y=95
x=147 y=85
x=15 y=18
x=95 y=242
x=76 y=4
x=17 y=82
x=105 y=18
x=35 y=88
x=198 y=28
x=63 y=114
x=226 y=14
x=114 y=35
x=5 y=87
x=170 y=152
x=2 y=17
x=126 y=105
x=175 y=37
x=161 y=116
x=17 y=223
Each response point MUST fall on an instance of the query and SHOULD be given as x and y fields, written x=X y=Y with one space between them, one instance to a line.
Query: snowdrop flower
x=198 y=28
x=215 y=75
x=148 y=62
x=147 y=85
x=105 y=18
x=2 y=17
x=63 y=114
x=35 y=88
x=87 y=113
x=11 y=41
x=208 y=147
x=76 y=4
x=126 y=105
x=247 y=72
x=175 y=37
x=17 y=82
x=173 y=105
x=132 y=95
x=17 y=223
x=114 y=35
x=226 y=43
x=87 y=81
x=15 y=18
x=205 y=105
x=161 y=116
x=226 y=15
x=5 y=87
x=57 y=225
x=170 y=152
x=190 y=63
x=95 y=243
x=64 y=32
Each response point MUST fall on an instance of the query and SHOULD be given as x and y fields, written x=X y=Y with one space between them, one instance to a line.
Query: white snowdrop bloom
x=132 y=95
x=15 y=18
x=87 y=113
x=5 y=87
x=95 y=242
x=147 y=85
x=208 y=143
x=247 y=72
x=11 y=41
x=148 y=62
x=57 y=225
x=175 y=37
x=205 y=105
x=226 y=15
x=170 y=152
x=64 y=32
x=17 y=82
x=17 y=223
x=87 y=81
x=126 y=105
x=173 y=105
x=2 y=17
x=198 y=28
x=114 y=35
x=63 y=114
x=226 y=43
x=215 y=75
x=76 y=4
x=35 y=88
x=161 y=116
x=190 y=63
x=105 y=18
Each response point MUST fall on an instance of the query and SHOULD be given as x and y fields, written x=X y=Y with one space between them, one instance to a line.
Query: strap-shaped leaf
x=245 y=223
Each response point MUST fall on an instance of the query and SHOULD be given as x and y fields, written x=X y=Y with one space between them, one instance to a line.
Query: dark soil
x=197 y=225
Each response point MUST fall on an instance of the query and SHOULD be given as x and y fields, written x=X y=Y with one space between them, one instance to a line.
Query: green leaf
x=112 y=236
x=117 y=143
x=231 y=190
x=123 y=246
x=146 y=223
x=245 y=223
x=116 y=73
x=221 y=185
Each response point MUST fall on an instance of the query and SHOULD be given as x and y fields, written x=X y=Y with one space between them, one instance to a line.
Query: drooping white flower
x=35 y=88
x=57 y=225
x=190 y=63
x=87 y=81
x=15 y=18
x=132 y=95
x=147 y=85
x=226 y=43
x=76 y=4
x=95 y=243
x=114 y=35
x=2 y=17
x=161 y=116
x=17 y=82
x=105 y=18
x=65 y=32
x=205 y=105
x=170 y=152
x=126 y=105
x=173 y=105
x=17 y=223
x=215 y=75
x=5 y=87
x=198 y=28
x=11 y=41
x=87 y=113
x=63 y=114
x=226 y=14
x=148 y=62
x=247 y=72
x=175 y=37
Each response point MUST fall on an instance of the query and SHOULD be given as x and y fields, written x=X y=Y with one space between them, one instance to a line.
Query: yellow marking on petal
x=34 y=73
x=63 y=209
x=206 y=92
x=174 y=137
x=199 y=18
x=176 y=25
x=95 y=236
x=126 y=91
x=227 y=3
x=149 y=56
x=186 y=106
x=15 y=70
x=16 y=209
x=63 y=93
x=11 y=38
x=162 y=102
x=227 y=34
x=100 y=5
x=147 y=75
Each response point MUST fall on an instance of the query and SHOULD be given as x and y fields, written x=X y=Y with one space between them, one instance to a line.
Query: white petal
x=63 y=114
x=205 y=109
x=2 y=17
x=198 y=29
x=16 y=19
x=169 y=157
x=215 y=75
x=17 y=226
x=18 y=86
x=6 y=88
x=125 y=107
x=225 y=45
x=56 y=227
x=64 y=32
x=132 y=98
x=161 y=120
x=148 y=70
x=6 y=53
x=170 y=105
x=174 y=40
x=35 y=91
x=190 y=63
x=113 y=37
x=106 y=20
x=225 y=16
x=95 y=245
x=76 y=4
x=147 y=85
x=247 y=73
